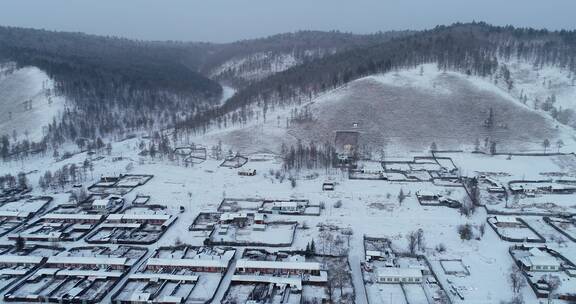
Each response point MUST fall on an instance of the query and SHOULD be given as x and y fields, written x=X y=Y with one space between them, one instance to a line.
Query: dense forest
x=115 y=85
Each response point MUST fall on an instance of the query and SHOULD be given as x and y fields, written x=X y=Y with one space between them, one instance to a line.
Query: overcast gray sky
x=227 y=20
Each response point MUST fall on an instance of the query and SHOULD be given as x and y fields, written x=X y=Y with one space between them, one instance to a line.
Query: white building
x=287 y=206
x=537 y=260
x=102 y=204
x=395 y=275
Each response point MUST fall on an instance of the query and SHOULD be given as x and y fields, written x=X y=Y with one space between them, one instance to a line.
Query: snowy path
x=108 y=298
x=357 y=279
x=219 y=296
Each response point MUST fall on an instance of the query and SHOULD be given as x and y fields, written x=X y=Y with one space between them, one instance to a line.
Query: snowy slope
x=255 y=66
x=22 y=85
x=539 y=83
x=408 y=110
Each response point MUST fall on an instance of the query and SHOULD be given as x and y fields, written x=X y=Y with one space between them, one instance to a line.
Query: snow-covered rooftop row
x=188 y=262
x=78 y=273
x=292 y=281
x=144 y=217
x=164 y=276
x=20 y=214
x=9 y=259
x=87 y=260
x=71 y=216
x=396 y=272
x=278 y=265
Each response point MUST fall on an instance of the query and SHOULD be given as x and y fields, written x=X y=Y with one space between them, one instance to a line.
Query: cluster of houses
x=542 y=266
x=71 y=276
x=173 y=272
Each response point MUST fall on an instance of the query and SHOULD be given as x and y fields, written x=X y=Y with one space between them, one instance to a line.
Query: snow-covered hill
x=534 y=84
x=27 y=102
x=409 y=110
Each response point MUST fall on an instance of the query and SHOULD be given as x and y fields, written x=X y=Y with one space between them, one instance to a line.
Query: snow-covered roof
x=169 y=299
x=121 y=225
x=71 y=216
x=100 y=202
x=87 y=260
x=506 y=219
x=425 y=193
x=286 y=204
x=188 y=262
x=278 y=265
x=20 y=259
x=4 y=213
x=164 y=276
x=49 y=235
x=119 y=217
x=396 y=272
x=232 y=216
x=374 y=253
x=535 y=251
x=13 y=272
x=140 y=296
x=540 y=261
x=90 y=273
x=292 y=281
x=259 y=226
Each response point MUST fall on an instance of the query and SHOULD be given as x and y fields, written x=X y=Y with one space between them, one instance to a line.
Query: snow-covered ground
x=201 y=188
x=367 y=207
x=28 y=119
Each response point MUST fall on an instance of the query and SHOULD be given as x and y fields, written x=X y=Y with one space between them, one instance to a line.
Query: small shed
x=328 y=187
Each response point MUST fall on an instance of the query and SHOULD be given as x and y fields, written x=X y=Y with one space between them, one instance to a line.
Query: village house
x=72 y=218
x=538 y=260
x=275 y=267
x=328 y=187
x=238 y=219
x=259 y=218
x=14 y=215
x=154 y=219
x=286 y=206
x=426 y=195
x=216 y=264
x=80 y=262
x=394 y=275
x=107 y=204
x=19 y=260
x=247 y=172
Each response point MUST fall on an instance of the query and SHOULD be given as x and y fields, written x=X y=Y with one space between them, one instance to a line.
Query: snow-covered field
x=27 y=119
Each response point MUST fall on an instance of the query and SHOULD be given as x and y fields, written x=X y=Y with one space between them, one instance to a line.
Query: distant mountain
x=243 y=62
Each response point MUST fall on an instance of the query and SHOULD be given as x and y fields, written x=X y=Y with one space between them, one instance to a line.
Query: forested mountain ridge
x=471 y=48
x=117 y=86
